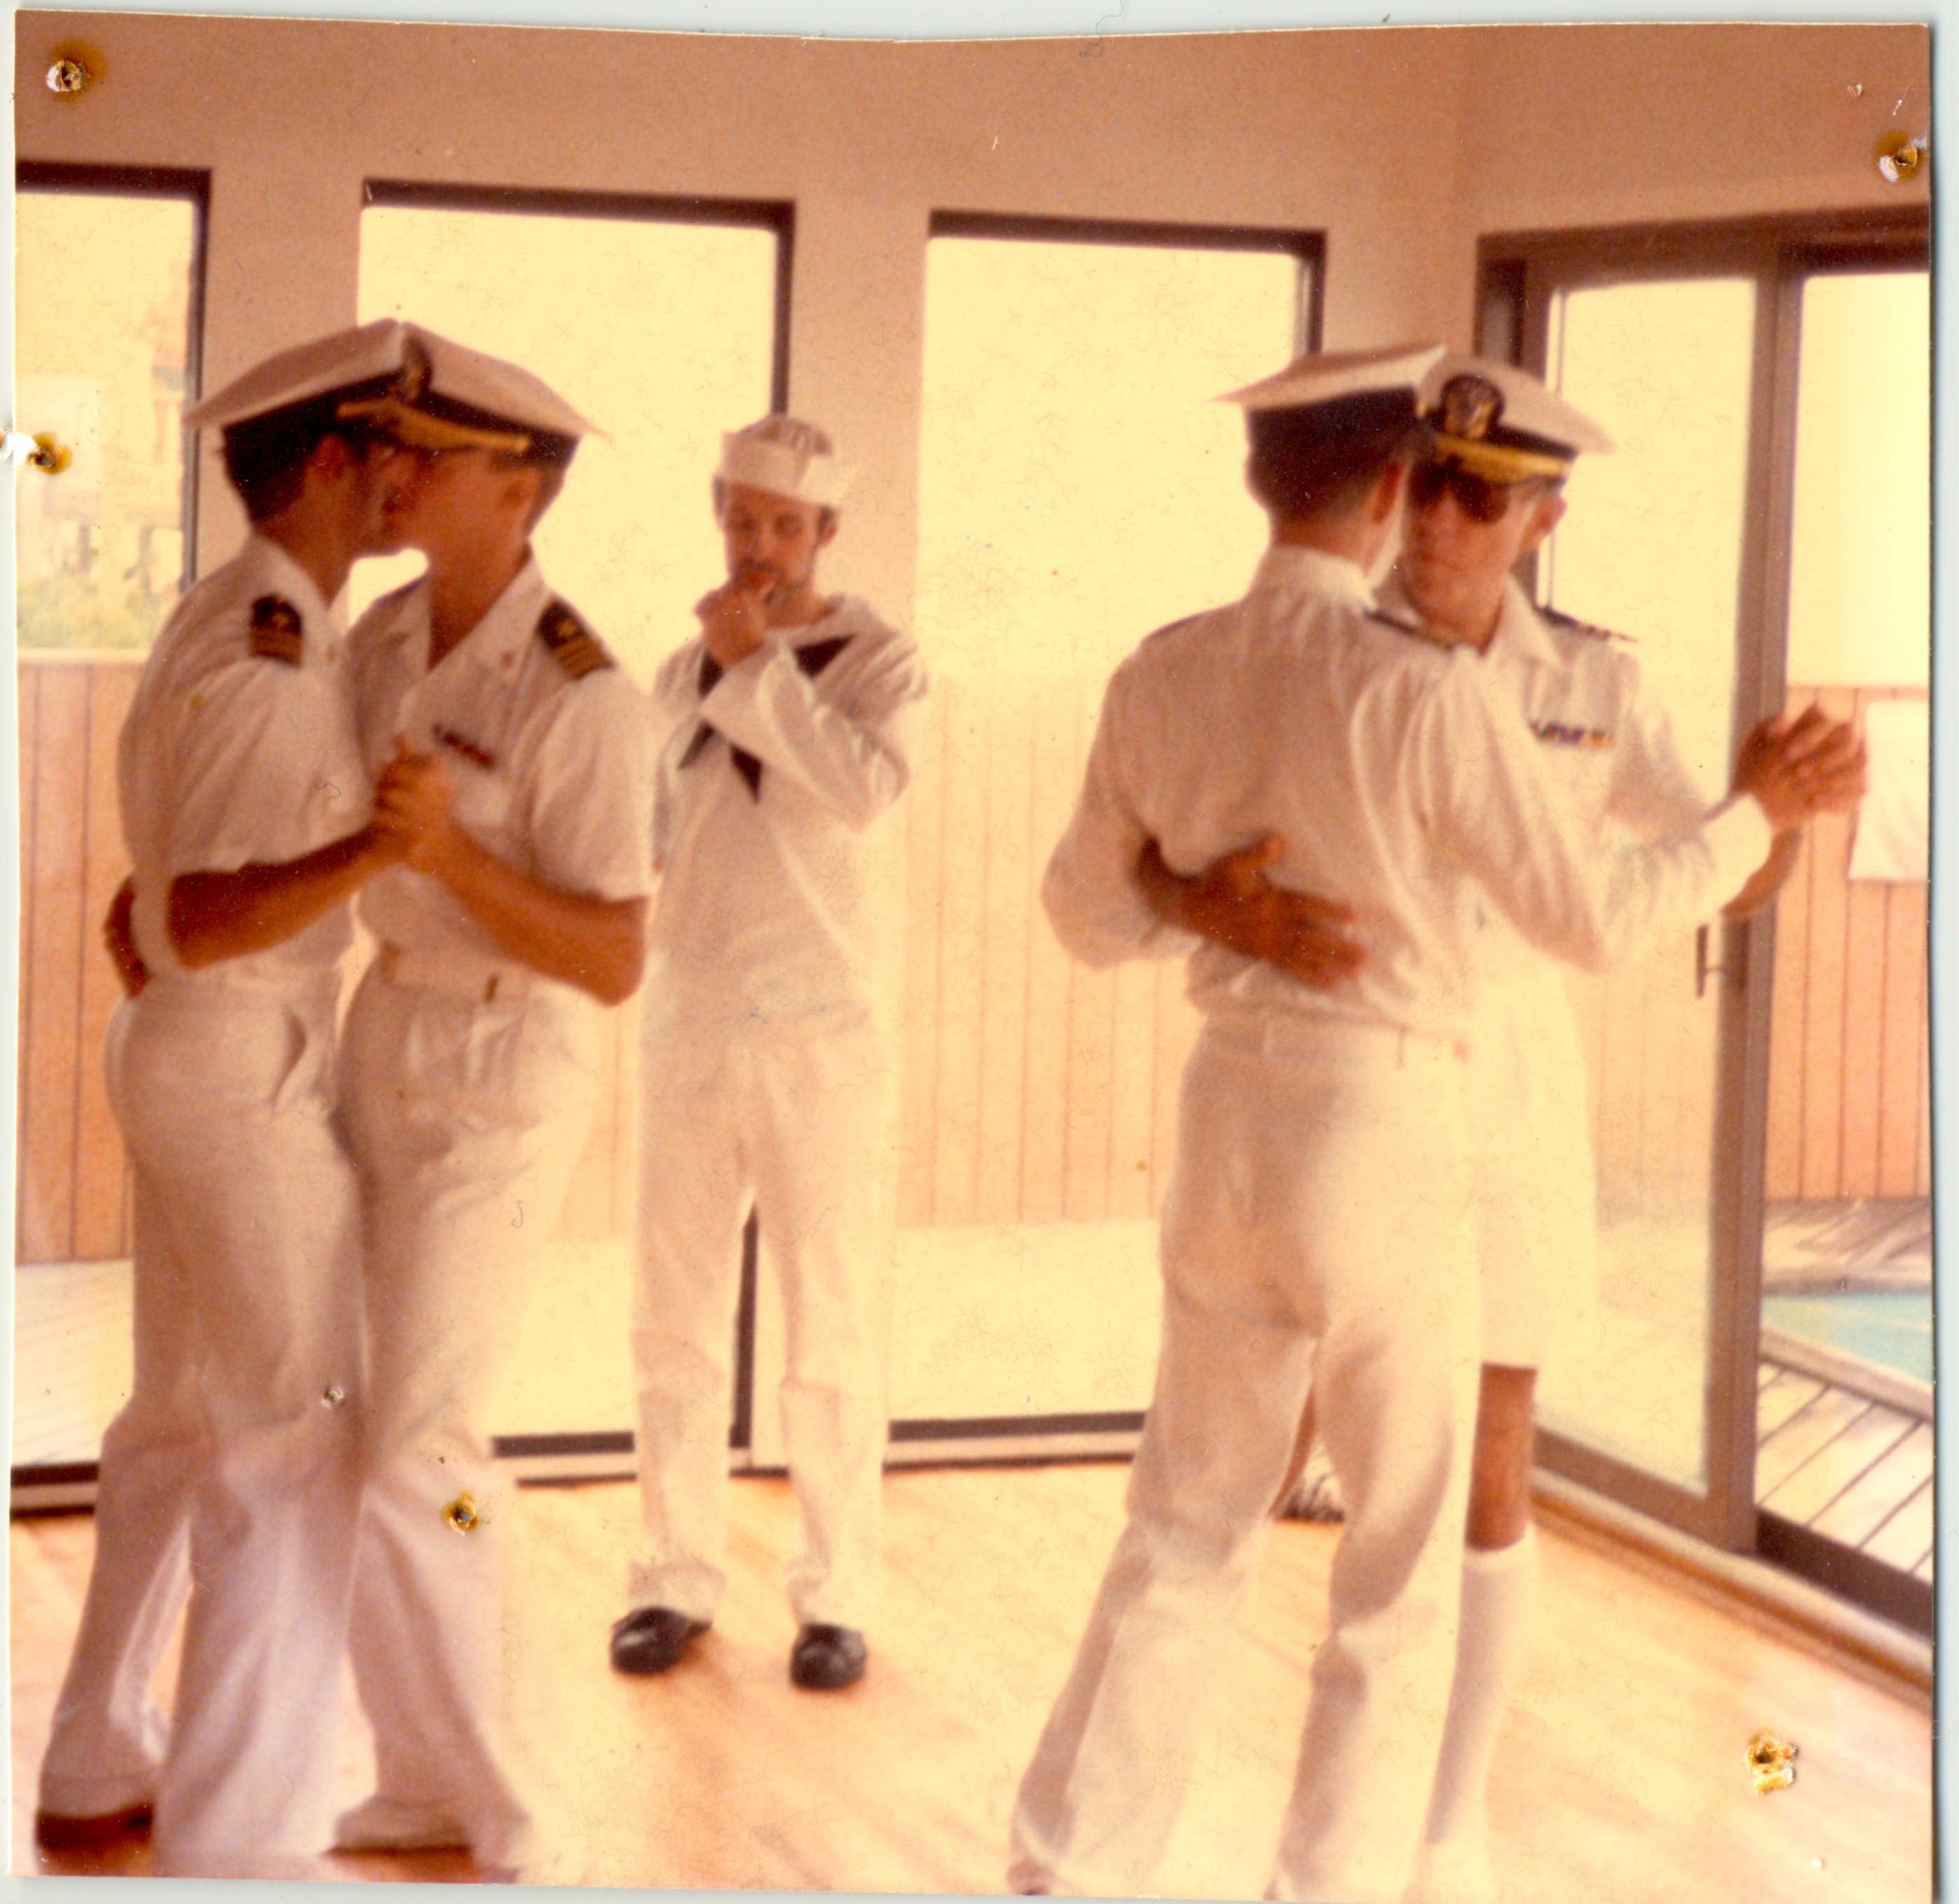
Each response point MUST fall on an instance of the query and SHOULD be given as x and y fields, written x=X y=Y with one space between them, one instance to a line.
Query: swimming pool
x=1890 y=1327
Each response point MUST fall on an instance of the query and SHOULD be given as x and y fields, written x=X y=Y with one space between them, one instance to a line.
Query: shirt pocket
x=483 y=804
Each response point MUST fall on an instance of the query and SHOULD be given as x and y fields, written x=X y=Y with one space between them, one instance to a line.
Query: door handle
x=1703 y=970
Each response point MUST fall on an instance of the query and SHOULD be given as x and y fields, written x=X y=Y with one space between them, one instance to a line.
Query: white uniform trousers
x=465 y=1117
x=1315 y=1231
x=240 y=1428
x=799 y=1122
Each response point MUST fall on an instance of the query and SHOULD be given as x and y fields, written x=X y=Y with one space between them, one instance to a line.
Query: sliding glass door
x=1762 y=536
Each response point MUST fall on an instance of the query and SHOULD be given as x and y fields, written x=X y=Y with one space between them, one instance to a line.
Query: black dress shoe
x=651 y=1638
x=76 y=1832
x=827 y=1658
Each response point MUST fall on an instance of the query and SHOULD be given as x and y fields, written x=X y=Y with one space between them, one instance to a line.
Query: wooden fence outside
x=1033 y=1090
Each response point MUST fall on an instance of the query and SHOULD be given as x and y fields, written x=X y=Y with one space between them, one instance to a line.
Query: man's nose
x=1442 y=516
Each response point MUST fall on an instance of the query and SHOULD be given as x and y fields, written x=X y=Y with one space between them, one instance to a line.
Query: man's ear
x=1548 y=511
x=1387 y=491
x=522 y=488
x=332 y=457
x=826 y=528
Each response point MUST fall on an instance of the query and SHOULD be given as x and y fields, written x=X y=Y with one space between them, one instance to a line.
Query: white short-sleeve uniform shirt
x=546 y=743
x=240 y=750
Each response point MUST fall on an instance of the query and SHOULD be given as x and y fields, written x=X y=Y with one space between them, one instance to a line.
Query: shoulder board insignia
x=277 y=632
x=1395 y=622
x=573 y=645
x=1571 y=625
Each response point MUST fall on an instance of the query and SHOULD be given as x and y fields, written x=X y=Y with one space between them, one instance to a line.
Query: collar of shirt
x=1287 y=568
x=837 y=609
x=274 y=570
x=1520 y=636
x=1520 y=631
x=497 y=641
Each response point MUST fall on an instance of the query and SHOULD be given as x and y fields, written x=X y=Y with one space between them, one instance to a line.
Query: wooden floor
x=1840 y=1244
x=1851 y=1465
x=1621 y=1775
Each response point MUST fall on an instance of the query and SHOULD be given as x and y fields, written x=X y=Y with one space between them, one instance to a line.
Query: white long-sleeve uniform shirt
x=769 y=906
x=1607 y=747
x=551 y=768
x=239 y=751
x=1400 y=784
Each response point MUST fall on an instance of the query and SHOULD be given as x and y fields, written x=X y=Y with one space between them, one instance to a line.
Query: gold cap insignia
x=1470 y=407
x=415 y=371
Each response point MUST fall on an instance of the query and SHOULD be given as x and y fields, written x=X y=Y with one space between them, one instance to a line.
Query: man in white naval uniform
x=765 y=1067
x=1487 y=491
x=245 y=807
x=513 y=754
x=1316 y=1225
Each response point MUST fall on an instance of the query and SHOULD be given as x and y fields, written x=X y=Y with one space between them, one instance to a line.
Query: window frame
x=1035 y=1437
x=1306 y=247
x=155 y=182
x=777 y=215
x=1518 y=276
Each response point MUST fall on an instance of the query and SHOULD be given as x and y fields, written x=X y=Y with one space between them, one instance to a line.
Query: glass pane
x=102 y=356
x=1844 y=1419
x=1860 y=574
x=661 y=334
x=1652 y=545
x=1078 y=487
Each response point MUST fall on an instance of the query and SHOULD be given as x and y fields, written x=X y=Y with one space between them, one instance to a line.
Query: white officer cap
x=1332 y=376
x=1503 y=424
x=449 y=396
x=354 y=361
x=787 y=456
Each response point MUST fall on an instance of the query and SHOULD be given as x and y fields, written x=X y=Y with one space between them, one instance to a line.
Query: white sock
x=1499 y=1599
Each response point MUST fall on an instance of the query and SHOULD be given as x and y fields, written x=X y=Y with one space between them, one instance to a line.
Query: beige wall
x=1380 y=138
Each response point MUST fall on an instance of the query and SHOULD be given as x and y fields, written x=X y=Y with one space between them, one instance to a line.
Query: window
x=660 y=324
x=1762 y=1331
x=1080 y=487
x=105 y=340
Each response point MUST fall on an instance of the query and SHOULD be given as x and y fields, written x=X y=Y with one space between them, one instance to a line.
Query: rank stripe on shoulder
x=1558 y=618
x=573 y=645
x=277 y=632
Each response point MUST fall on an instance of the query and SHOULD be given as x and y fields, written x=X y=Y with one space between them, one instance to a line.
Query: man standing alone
x=765 y=1067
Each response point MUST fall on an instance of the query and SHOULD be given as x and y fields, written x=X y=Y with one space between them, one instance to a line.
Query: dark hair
x=1320 y=462
x=265 y=456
